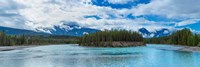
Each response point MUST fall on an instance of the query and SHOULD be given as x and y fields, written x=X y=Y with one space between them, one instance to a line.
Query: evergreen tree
x=108 y=36
x=181 y=37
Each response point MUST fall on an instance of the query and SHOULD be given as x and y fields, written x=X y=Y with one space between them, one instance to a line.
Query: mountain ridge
x=157 y=33
x=68 y=30
x=75 y=30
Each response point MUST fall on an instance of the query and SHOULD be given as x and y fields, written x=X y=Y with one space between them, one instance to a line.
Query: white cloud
x=187 y=22
x=43 y=13
x=170 y=8
x=32 y=14
x=120 y=1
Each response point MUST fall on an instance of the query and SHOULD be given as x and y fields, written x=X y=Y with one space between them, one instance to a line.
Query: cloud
x=34 y=14
x=180 y=9
x=120 y=1
x=9 y=15
x=187 y=22
x=39 y=13
x=171 y=9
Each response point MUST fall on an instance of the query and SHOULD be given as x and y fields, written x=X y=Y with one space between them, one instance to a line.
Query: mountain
x=156 y=33
x=67 y=29
x=73 y=30
x=76 y=30
x=13 y=31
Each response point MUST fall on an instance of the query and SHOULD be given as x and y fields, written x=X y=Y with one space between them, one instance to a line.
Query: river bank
x=9 y=48
x=190 y=49
x=186 y=48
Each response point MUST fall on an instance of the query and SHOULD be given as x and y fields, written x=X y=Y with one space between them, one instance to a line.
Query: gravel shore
x=190 y=49
x=9 y=48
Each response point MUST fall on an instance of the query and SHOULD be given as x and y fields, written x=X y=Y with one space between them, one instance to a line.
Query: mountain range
x=75 y=30
x=157 y=33
x=65 y=29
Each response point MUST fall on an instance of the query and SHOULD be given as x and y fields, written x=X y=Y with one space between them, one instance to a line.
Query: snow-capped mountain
x=76 y=30
x=156 y=33
x=67 y=29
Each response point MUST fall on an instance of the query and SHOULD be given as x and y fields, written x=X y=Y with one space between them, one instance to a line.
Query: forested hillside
x=182 y=37
x=12 y=40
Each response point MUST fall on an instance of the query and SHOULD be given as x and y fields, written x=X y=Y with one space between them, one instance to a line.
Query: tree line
x=181 y=37
x=12 y=40
x=110 y=36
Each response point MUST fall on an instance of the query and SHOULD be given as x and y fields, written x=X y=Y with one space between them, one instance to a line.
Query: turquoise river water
x=70 y=55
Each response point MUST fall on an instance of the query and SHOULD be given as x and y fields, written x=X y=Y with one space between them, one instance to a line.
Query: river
x=70 y=55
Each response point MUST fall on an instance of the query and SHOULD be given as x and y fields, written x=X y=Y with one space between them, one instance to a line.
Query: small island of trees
x=112 y=38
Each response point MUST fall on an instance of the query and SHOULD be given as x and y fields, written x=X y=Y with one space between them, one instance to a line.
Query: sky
x=101 y=14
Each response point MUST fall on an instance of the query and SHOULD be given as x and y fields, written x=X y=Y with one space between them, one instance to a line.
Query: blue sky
x=101 y=14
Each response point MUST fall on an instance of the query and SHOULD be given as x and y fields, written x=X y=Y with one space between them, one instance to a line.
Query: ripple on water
x=76 y=56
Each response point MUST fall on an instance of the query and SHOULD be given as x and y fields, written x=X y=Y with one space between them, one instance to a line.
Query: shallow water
x=76 y=56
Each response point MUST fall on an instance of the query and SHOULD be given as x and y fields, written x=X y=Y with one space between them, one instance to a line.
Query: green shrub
x=199 y=44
